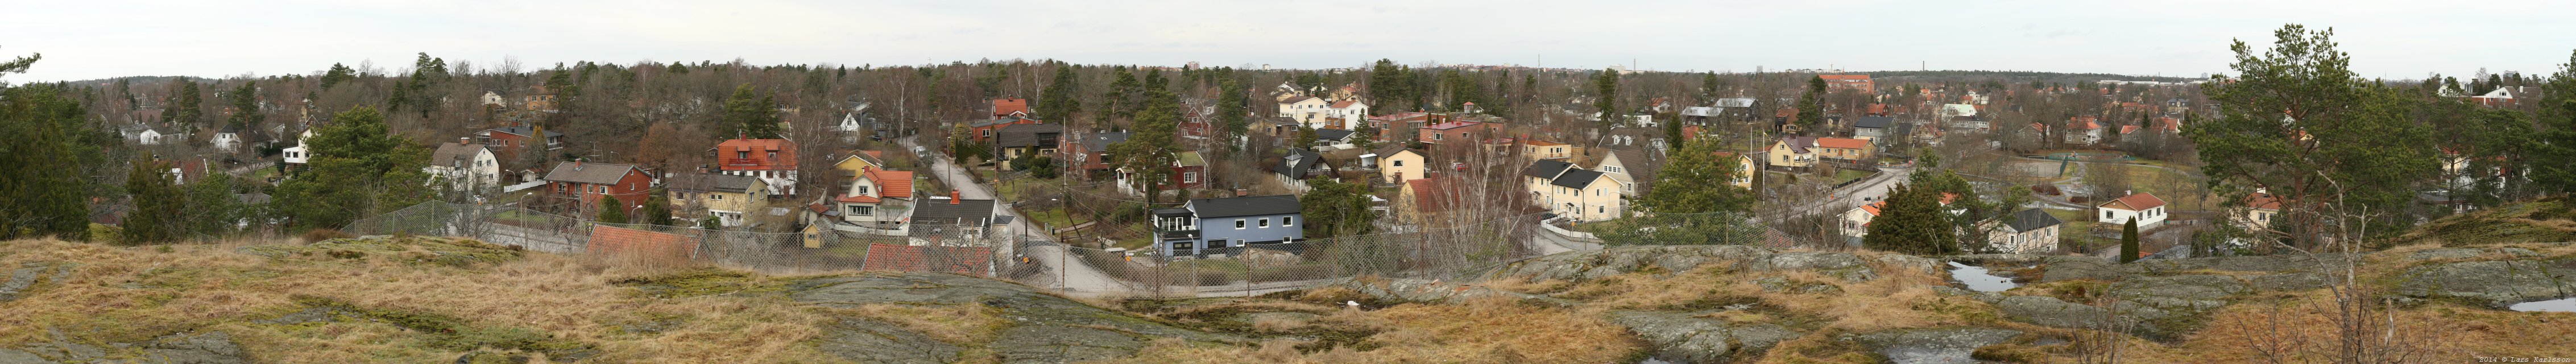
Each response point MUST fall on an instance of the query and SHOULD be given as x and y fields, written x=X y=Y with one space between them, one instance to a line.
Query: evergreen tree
x=1148 y=150
x=245 y=100
x=2129 y=240
x=1389 y=87
x=337 y=75
x=1062 y=98
x=185 y=110
x=158 y=208
x=2553 y=169
x=1607 y=85
x=1912 y=222
x=711 y=223
x=657 y=209
x=358 y=169
x=1811 y=108
x=611 y=211
x=1708 y=88
x=1694 y=202
x=1121 y=101
x=1233 y=114
x=1336 y=209
x=2298 y=122
x=751 y=117
x=41 y=125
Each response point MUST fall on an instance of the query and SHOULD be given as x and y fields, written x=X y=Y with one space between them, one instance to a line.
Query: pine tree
x=1912 y=222
x=1607 y=84
x=657 y=210
x=751 y=116
x=1336 y=209
x=1811 y=108
x=156 y=217
x=358 y=169
x=43 y=198
x=245 y=100
x=1233 y=114
x=2297 y=121
x=2129 y=241
x=2554 y=165
x=611 y=211
x=337 y=75
x=1061 y=99
x=185 y=110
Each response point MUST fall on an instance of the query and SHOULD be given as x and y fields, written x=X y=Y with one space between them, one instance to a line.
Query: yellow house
x=728 y=198
x=1426 y=200
x=1576 y=193
x=1845 y=149
x=1403 y=165
x=1793 y=152
x=858 y=161
x=1745 y=166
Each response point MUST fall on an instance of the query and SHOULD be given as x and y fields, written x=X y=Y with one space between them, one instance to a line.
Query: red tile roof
x=1433 y=194
x=1842 y=143
x=2137 y=202
x=973 y=261
x=1006 y=107
x=755 y=155
x=894 y=184
x=2262 y=201
x=1344 y=104
x=613 y=240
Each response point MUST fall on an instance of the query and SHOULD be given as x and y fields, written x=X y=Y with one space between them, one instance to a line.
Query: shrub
x=318 y=235
x=106 y=233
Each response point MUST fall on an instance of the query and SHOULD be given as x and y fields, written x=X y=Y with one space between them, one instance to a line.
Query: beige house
x=1793 y=152
x=729 y=199
x=1574 y=193
x=1745 y=166
x=2030 y=231
x=1634 y=169
x=1403 y=165
x=2259 y=210
x=1844 y=149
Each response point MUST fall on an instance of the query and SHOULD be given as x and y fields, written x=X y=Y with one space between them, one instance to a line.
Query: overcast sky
x=90 y=39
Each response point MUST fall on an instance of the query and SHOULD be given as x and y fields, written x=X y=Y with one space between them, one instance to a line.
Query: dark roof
x=1025 y=135
x=1246 y=206
x=524 y=131
x=1281 y=120
x=454 y=155
x=971 y=212
x=1641 y=167
x=1099 y=142
x=2031 y=219
x=1576 y=178
x=1799 y=144
x=1305 y=160
x=709 y=182
x=592 y=173
x=1880 y=122
x=1546 y=168
x=1332 y=134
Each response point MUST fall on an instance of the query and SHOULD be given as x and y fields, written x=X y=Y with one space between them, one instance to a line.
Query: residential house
x=465 y=167
x=1632 y=138
x=2145 y=208
x=1871 y=128
x=1008 y=108
x=1214 y=226
x=1541 y=149
x=494 y=100
x=1574 y=193
x=1188 y=171
x=1403 y=165
x=2259 y=210
x=1026 y=139
x=878 y=200
x=1094 y=154
x=1746 y=164
x=772 y=160
x=1634 y=169
x=1845 y=150
x=1857 y=83
x=2082 y=130
x=2030 y=231
x=159 y=136
x=1348 y=113
x=589 y=182
x=2507 y=96
x=1308 y=111
x=857 y=162
x=983 y=131
x=1424 y=201
x=508 y=142
x=228 y=138
x=952 y=221
x=538 y=102
x=1333 y=137
x=1461 y=131
x=731 y=200
x=1794 y=152
x=296 y=156
x=1300 y=165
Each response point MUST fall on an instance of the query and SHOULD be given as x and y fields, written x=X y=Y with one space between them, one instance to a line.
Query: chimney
x=2128 y=192
x=952 y=197
x=464 y=140
x=576 y=165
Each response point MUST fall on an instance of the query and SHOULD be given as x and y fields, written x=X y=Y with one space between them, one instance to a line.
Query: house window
x=1189 y=177
x=862 y=190
x=715 y=196
x=1238 y=224
x=1265 y=223
x=773 y=156
x=741 y=155
x=1399 y=163
x=1435 y=136
x=1288 y=221
x=856 y=210
x=2106 y=214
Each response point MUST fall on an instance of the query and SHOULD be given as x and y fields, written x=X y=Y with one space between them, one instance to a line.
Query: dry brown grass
x=133 y=294
x=2446 y=332
x=1480 y=331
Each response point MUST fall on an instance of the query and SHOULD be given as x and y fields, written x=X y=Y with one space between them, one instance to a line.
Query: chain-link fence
x=771 y=252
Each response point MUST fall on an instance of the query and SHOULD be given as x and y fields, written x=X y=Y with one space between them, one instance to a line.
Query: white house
x=465 y=167
x=157 y=136
x=298 y=155
x=494 y=99
x=2146 y=208
x=228 y=138
x=1350 y=112
x=1307 y=110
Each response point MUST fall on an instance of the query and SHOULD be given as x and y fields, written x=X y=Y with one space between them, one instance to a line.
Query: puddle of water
x=2556 y=305
x=1977 y=279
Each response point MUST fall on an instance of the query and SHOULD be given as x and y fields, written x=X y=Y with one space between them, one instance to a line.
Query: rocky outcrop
x=22 y=280
x=180 y=348
x=1403 y=290
x=1934 y=345
x=1596 y=264
x=2469 y=253
x=2496 y=283
x=1042 y=328
x=1685 y=338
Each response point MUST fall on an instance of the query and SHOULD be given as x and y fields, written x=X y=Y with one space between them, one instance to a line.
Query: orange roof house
x=1003 y=108
x=756 y=155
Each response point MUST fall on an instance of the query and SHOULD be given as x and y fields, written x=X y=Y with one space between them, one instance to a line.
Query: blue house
x=1225 y=225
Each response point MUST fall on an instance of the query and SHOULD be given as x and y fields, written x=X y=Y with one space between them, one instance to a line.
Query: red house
x=591 y=181
x=507 y=142
x=1004 y=108
x=1449 y=131
x=983 y=131
x=772 y=160
x=1850 y=82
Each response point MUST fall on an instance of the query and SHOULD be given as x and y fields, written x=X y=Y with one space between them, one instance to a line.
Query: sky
x=93 y=39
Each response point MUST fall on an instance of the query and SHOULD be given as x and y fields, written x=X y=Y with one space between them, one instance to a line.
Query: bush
x=318 y=235
x=104 y=233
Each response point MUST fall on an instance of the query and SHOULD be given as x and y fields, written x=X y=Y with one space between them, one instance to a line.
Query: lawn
x=1050 y=217
x=2183 y=191
x=2079 y=223
x=1846 y=175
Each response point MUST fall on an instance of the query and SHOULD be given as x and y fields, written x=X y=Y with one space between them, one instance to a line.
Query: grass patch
x=452 y=333
x=2501 y=225
x=701 y=282
x=460 y=253
x=1846 y=175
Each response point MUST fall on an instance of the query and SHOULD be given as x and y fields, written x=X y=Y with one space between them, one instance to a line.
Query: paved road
x=1550 y=243
x=1876 y=186
x=1063 y=271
